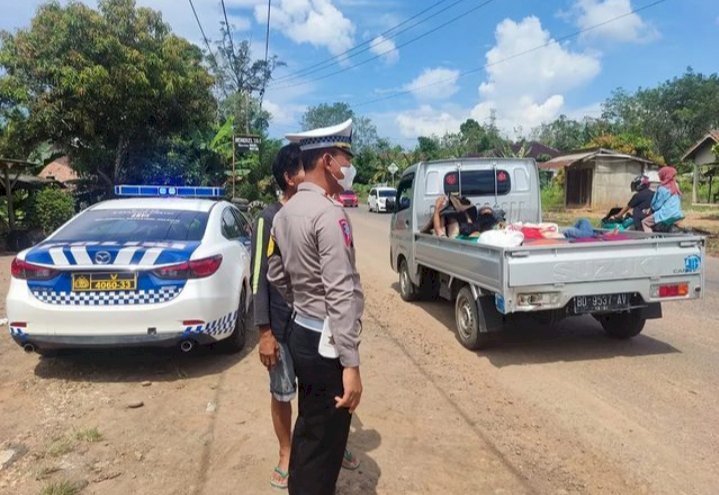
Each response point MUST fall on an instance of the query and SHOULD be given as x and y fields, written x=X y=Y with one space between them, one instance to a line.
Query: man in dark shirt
x=272 y=314
x=640 y=202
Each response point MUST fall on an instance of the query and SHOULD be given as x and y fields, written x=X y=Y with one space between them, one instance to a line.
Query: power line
x=335 y=59
x=511 y=57
x=207 y=43
x=412 y=40
x=229 y=34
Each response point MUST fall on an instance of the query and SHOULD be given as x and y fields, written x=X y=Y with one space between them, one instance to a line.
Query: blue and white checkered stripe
x=216 y=327
x=17 y=332
x=91 y=298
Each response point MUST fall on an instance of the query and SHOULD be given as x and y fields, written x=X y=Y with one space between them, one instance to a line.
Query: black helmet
x=639 y=182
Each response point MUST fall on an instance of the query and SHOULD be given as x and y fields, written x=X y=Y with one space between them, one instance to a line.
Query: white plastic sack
x=502 y=238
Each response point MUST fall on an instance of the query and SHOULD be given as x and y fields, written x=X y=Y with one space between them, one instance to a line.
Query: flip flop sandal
x=349 y=461
x=283 y=476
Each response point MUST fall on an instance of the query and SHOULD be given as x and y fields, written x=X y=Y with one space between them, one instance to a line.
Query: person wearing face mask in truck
x=312 y=264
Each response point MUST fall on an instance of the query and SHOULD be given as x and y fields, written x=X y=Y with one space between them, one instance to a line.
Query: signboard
x=247 y=142
x=393 y=168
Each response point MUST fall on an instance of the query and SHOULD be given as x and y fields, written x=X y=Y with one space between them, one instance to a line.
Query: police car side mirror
x=403 y=204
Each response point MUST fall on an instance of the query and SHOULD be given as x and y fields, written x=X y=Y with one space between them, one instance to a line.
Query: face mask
x=349 y=173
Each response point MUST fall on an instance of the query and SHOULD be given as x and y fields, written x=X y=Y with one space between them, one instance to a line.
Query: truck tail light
x=538 y=299
x=670 y=290
x=190 y=269
x=23 y=270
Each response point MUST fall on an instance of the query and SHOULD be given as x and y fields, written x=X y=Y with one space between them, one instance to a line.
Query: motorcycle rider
x=641 y=201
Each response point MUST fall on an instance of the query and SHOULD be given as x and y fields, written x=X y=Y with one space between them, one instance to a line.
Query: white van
x=381 y=198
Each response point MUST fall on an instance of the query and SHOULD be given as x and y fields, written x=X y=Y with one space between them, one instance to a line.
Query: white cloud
x=317 y=22
x=429 y=121
x=386 y=48
x=285 y=115
x=528 y=90
x=630 y=28
x=520 y=92
x=434 y=84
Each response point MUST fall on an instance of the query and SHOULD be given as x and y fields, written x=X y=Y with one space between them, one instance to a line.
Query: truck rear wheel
x=471 y=331
x=622 y=325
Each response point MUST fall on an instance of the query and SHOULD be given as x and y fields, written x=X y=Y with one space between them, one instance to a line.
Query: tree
x=673 y=115
x=364 y=132
x=241 y=82
x=478 y=138
x=104 y=84
x=567 y=135
x=628 y=143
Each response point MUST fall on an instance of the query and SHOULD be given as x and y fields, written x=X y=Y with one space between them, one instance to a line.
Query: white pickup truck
x=621 y=283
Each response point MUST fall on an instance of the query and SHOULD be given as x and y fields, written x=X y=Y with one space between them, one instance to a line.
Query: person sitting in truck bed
x=458 y=218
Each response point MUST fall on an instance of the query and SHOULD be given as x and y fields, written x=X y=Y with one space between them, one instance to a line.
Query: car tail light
x=670 y=290
x=192 y=323
x=190 y=269
x=23 y=270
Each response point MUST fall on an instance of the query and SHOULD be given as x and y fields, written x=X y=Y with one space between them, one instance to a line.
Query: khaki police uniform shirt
x=313 y=266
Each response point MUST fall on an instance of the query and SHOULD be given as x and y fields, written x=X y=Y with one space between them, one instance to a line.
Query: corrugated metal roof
x=712 y=134
x=580 y=156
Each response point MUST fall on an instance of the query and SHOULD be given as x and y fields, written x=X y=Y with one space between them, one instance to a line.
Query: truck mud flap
x=652 y=311
x=493 y=319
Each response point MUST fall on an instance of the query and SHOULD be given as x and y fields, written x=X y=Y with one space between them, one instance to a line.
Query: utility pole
x=234 y=172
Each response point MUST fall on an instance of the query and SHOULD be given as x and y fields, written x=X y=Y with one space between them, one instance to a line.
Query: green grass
x=60 y=446
x=60 y=488
x=552 y=197
x=89 y=435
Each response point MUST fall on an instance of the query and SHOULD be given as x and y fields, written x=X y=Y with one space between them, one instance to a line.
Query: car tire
x=469 y=322
x=407 y=290
x=236 y=341
x=622 y=325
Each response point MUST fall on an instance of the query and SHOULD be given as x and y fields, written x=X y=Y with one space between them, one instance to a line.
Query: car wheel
x=622 y=325
x=236 y=341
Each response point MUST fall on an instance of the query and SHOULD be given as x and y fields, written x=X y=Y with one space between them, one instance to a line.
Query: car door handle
x=406 y=223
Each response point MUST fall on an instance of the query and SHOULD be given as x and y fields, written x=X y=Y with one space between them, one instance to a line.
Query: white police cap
x=336 y=136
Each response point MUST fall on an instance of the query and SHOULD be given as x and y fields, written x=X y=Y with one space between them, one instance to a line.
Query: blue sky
x=571 y=76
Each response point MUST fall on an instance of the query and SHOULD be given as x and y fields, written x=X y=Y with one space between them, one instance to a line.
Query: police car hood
x=99 y=254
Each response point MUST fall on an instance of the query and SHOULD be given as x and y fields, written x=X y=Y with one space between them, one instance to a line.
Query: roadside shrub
x=52 y=208
x=553 y=196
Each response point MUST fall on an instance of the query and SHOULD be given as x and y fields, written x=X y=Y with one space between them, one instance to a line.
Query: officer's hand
x=352 y=384
x=269 y=348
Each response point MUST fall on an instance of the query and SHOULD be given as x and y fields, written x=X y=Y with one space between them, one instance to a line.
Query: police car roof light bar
x=169 y=191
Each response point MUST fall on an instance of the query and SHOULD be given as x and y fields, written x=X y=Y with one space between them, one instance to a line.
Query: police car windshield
x=143 y=225
x=387 y=193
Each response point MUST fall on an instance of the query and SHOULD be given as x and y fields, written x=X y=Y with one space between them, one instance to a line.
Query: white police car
x=134 y=272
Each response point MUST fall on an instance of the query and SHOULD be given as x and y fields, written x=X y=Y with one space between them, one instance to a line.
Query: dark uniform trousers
x=321 y=430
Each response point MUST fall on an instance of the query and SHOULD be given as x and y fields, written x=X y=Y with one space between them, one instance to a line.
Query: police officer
x=313 y=265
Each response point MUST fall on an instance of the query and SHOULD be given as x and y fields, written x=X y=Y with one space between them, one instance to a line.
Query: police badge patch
x=346 y=232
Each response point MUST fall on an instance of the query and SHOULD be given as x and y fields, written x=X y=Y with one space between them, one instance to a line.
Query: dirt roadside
x=555 y=409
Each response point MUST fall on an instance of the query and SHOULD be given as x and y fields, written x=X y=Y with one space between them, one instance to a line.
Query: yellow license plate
x=104 y=282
